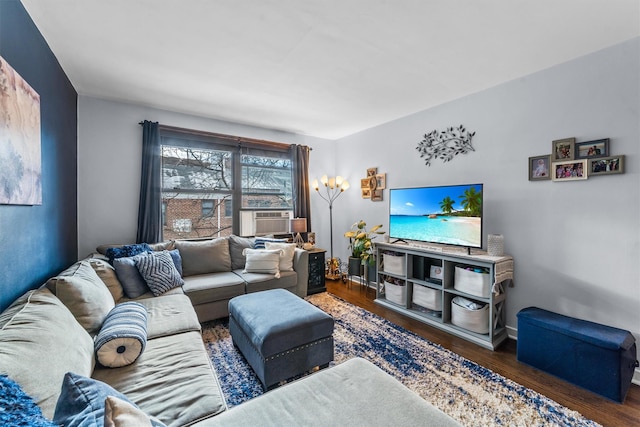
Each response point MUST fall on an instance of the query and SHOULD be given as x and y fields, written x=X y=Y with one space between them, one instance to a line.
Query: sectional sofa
x=48 y=348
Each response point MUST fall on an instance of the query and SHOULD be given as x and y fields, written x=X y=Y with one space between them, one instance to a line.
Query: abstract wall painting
x=20 y=159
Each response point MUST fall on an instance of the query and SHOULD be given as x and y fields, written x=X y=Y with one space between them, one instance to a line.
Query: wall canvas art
x=20 y=161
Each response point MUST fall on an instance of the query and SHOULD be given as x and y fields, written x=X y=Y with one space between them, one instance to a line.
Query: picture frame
x=563 y=149
x=365 y=183
x=372 y=171
x=570 y=170
x=592 y=149
x=366 y=193
x=606 y=165
x=436 y=272
x=381 y=181
x=373 y=182
x=376 y=196
x=311 y=237
x=21 y=140
x=539 y=168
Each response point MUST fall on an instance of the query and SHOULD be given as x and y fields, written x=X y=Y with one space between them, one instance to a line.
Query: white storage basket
x=473 y=320
x=472 y=282
x=395 y=293
x=427 y=297
x=394 y=264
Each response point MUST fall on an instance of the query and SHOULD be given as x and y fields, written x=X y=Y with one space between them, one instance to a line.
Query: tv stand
x=421 y=283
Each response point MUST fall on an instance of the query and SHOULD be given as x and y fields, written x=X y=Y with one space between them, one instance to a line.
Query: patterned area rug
x=473 y=395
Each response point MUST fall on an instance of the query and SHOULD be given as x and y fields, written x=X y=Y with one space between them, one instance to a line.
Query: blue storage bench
x=280 y=334
x=597 y=357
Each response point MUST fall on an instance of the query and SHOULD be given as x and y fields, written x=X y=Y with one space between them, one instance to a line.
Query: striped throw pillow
x=260 y=241
x=123 y=335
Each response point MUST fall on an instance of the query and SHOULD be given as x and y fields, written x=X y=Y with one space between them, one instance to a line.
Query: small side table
x=316 y=271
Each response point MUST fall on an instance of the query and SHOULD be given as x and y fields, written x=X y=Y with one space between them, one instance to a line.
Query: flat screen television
x=450 y=215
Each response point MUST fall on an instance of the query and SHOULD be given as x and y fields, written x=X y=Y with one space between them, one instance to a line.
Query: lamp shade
x=299 y=225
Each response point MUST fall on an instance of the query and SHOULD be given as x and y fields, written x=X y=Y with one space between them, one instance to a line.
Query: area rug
x=468 y=392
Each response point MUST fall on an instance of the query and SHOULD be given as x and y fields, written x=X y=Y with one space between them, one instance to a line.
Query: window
x=207 y=208
x=207 y=180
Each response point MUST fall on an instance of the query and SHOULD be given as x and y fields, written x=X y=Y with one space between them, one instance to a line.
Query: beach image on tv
x=448 y=214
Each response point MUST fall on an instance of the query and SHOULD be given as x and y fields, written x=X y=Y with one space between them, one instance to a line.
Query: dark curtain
x=301 y=201
x=150 y=207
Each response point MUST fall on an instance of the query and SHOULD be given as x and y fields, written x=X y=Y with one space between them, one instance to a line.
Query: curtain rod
x=238 y=139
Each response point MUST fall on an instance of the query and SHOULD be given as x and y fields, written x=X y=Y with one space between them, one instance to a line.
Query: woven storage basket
x=395 y=293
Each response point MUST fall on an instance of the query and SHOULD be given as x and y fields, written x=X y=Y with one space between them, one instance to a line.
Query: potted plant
x=361 y=246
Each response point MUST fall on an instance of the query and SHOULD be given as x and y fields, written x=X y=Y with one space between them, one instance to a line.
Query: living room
x=575 y=244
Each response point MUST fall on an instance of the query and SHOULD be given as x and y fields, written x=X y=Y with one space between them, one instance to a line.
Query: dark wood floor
x=503 y=361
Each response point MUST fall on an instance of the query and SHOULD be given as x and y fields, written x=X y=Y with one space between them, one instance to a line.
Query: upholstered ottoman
x=280 y=334
x=597 y=357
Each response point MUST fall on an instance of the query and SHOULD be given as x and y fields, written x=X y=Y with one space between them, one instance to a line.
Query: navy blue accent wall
x=37 y=242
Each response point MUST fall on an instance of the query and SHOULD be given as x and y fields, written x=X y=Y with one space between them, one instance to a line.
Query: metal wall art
x=445 y=145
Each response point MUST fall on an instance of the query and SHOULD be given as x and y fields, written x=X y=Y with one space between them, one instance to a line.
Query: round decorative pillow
x=123 y=335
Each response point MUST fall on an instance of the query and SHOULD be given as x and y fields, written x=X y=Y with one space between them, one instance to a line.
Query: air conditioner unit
x=259 y=223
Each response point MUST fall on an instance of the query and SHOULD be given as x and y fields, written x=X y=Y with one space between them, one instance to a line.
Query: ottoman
x=280 y=334
x=597 y=357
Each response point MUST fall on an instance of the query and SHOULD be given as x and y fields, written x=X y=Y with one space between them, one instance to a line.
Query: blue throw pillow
x=133 y=284
x=127 y=251
x=17 y=408
x=260 y=241
x=159 y=271
x=81 y=401
x=177 y=260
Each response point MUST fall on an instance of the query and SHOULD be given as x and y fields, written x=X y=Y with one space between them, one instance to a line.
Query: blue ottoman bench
x=597 y=357
x=280 y=334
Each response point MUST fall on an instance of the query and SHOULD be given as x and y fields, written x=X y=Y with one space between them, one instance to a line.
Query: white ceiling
x=326 y=68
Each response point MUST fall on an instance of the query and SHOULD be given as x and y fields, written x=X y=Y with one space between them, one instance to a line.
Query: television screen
x=449 y=215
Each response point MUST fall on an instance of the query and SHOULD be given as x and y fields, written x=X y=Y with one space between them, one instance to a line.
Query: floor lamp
x=334 y=187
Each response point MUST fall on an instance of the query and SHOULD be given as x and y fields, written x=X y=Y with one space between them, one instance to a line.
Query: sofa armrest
x=301 y=266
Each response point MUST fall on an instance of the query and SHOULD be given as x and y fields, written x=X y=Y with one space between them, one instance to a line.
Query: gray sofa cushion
x=354 y=393
x=84 y=294
x=256 y=282
x=37 y=334
x=169 y=314
x=107 y=274
x=236 y=246
x=202 y=257
x=173 y=380
x=206 y=288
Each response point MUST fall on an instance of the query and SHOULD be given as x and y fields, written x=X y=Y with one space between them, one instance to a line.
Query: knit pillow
x=127 y=251
x=17 y=408
x=159 y=271
x=262 y=261
x=123 y=335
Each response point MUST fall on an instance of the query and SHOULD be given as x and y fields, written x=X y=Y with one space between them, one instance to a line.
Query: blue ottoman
x=280 y=334
x=597 y=357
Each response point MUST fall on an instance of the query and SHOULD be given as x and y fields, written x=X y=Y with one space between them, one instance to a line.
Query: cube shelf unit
x=430 y=278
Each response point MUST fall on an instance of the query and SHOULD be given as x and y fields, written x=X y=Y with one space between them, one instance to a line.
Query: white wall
x=109 y=162
x=575 y=244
